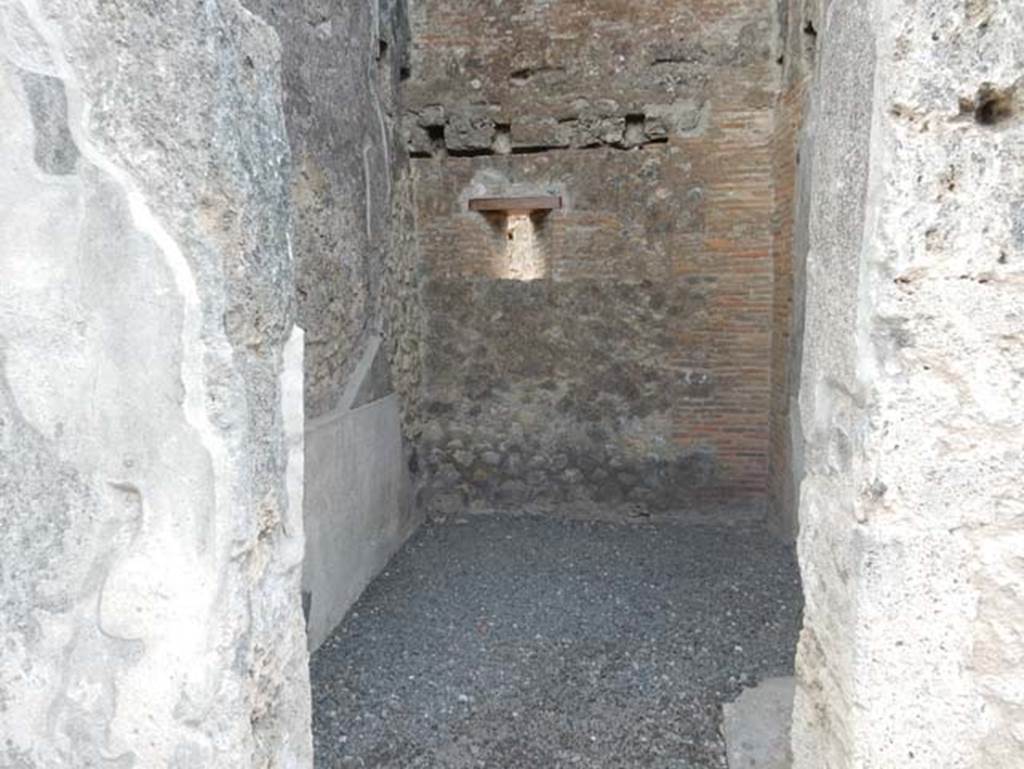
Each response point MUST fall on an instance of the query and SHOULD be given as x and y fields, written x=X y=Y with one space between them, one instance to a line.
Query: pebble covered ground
x=540 y=643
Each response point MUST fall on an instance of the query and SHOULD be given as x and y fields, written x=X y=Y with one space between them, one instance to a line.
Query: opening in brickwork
x=523 y=259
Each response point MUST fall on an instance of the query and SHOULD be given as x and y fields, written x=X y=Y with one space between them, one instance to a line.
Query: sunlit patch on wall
x=523 y=257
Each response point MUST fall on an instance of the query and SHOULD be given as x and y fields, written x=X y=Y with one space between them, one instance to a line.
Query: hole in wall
x=435 y=134
x=992 y=105
x=502 y=144
x=810 y=41
x=523 y=75
x=634 y=134
x=520 y=76
x=523 y=258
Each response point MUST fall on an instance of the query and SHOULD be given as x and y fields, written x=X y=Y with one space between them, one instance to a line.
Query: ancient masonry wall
x=150 y=400
x=357 y=288
x=911 y=516
x=613 y=356
x=791 y=161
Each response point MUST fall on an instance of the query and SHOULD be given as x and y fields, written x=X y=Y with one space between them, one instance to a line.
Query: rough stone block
x=912 y=653
x=431 y=116
x=418 y=140
x=539 y=133
x=757 y=726
x=676 y=119
x=469 y=130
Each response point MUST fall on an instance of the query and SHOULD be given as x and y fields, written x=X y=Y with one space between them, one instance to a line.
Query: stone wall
x=911 y=512
x=353 y=244
x=356 y=286
x=792 y=162
x=150 y=526
x=614 y=355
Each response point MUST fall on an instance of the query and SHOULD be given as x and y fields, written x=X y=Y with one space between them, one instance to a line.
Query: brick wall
x=636 y=374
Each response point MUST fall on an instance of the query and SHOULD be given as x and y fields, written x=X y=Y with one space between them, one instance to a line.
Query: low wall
x=358 y=508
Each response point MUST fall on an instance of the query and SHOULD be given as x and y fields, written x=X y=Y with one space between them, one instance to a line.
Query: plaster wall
x=150 y=392
x=370 y=508
x=792 y=161
x=910 y=396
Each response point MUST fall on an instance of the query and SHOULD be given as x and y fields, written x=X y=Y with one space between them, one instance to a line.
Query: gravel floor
x=534 y=643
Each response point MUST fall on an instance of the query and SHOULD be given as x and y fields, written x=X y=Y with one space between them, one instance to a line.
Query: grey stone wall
x=799 y=22
x=353 y=237
x=910 y=399
x=357 y=286
x=150 y=534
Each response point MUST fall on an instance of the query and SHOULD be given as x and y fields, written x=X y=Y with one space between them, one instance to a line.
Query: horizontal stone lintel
x=517 y=204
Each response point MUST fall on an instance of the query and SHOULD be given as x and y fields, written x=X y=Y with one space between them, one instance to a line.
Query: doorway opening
x=574 y=544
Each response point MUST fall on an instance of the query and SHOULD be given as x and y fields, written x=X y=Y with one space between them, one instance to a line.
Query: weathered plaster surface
x=362 y=487
x=912 y=522
x=149 y=538
x=799 y=21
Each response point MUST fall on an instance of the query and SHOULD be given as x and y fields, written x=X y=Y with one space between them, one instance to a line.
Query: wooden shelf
x=520 y=205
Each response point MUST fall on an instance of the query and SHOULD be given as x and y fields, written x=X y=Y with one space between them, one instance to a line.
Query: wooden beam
x=517 y=205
